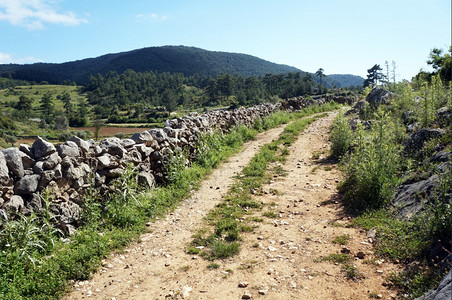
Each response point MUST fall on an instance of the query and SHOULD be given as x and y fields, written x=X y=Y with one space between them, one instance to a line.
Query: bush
x=341 y=137
x=372 y=169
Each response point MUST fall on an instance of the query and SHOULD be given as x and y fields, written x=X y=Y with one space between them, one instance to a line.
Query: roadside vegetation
x=376 y=161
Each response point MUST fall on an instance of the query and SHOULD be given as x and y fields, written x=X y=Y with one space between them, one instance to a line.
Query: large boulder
x=142 y=138
x=412 y=198
x=69 y=212
x=146 y=179
x=416 y=141
x=127 y=143
x=14 y=205
x=13 y=158
x=4 y=172
x=69 y=148
x=159 y=135
x=27 y=184
x=379 y=97
x=107 y=161
x=83 y=145
x=42 y=148
x=113 y=146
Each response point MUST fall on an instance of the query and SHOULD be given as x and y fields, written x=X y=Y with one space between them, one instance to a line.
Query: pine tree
x=374 y=75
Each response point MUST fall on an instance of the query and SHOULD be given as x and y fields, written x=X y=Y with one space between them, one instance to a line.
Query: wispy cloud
x=6 y=58
x=33 y=14
x=151 y=17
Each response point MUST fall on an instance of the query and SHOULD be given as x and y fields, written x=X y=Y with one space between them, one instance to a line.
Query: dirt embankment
x=284 y=258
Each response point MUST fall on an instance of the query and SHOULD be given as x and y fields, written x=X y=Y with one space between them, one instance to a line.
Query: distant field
x=36 y=92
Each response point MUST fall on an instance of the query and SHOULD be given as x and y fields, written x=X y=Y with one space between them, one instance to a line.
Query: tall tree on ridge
x=320 y=74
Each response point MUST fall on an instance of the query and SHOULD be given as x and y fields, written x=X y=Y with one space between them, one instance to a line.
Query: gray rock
x=74 y=173
x=113 y=146
x=4 y=172
x=69 y=212
x=146 y=179
x=26 y=149
x=359 y=108
x=143 y=138
x=83 y=145
x=113 y=173
x=58 y=173
x=144 y=150
x=14 y=205
x=411 y=198
x=52 y=161
x=39 y=167
x=66 y=162
x=443 y=167
x=107 y=161
x=27 y=161
x=442 y=292
x=99 y=179
x=42 y=148
x=34 y=203
x=441 y=156
x=69 y=148
x=378 y=97
x=27 y=185
x=133 y=156
x=416 y=141
x=46 y=177
x=13 y=158
x=127 y=143
x=158 y=134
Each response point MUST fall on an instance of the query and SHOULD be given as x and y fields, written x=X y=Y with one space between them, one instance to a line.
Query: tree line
x=141 y=92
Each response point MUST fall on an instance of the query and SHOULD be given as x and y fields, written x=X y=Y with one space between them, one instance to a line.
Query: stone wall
x=69 y=169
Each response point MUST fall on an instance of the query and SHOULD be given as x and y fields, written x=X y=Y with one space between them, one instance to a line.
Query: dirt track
x=281 y=259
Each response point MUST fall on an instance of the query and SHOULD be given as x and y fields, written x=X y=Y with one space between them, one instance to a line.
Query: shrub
x=373 y=167
x=341 y=137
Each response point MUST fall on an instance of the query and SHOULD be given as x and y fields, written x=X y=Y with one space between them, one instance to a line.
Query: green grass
x=213 y=266
x=350 y=271
x=341 y=239
x=270 y=214
x=339 y=258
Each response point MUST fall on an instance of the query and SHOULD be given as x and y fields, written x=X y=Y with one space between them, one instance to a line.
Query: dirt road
x=282 y=259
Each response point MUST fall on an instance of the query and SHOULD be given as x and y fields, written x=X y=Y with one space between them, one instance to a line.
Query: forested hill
x=173 y=59
x=346 y=80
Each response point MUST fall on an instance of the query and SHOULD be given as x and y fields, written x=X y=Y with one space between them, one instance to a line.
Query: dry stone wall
x=70 y=169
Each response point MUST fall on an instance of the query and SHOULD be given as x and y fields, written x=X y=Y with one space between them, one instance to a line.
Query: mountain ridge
x=173 y=59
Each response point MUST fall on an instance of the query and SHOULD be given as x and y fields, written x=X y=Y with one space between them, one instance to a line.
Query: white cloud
x=33 y=14
x=151 y=17
x=6 y=58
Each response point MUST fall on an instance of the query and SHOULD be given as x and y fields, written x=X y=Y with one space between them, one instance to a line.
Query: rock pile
x=69 y=169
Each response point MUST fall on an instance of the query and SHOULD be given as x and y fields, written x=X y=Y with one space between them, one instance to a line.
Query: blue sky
x=346 y=37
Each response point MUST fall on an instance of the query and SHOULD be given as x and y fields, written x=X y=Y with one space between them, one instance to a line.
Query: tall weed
x=341 y=137
x=372 y=169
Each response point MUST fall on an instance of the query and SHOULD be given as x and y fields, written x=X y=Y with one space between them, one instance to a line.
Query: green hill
x=173 y=59
x=346 y=80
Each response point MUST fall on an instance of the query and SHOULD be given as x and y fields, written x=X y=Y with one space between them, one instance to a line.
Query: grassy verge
x=375 y=162
x=221 y=236
x=36 y=262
